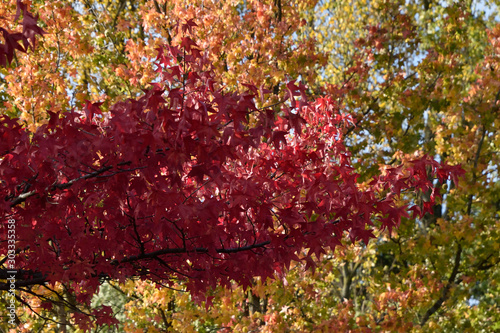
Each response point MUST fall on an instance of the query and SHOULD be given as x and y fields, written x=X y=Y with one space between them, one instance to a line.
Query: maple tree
x=94 y=49
x=350 y=91
x=189 y=185
x=440 y=272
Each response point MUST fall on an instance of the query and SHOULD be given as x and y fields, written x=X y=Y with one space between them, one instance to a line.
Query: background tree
x=429 y=59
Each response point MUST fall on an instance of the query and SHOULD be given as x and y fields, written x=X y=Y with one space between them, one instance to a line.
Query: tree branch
x=446 y=291
x=155 y=254
x=152 y=255
x=96 y=174
x=23 y=283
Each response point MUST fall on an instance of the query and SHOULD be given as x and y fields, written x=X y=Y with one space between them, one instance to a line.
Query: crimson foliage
x=13 y=40
x=190 y=181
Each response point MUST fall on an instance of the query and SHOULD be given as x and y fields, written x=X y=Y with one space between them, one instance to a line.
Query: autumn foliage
x=190 y=181
x=210 y=160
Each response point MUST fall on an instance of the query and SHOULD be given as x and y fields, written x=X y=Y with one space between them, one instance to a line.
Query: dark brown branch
x=155 y=254
x=152 y=255
x=96 y=174
x=157 y=6
x=446 y=290
x=23 y=283
x=279 y=13
x=24 y=196
x=474 y=175
x=120 y=8
x=24 y=303
x=484 y=264
x=196 y=190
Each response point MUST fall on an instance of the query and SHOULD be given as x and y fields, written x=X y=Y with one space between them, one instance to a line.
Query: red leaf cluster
x=13 y=40
x=189 y=181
